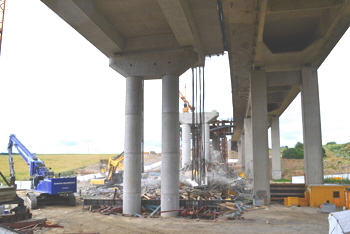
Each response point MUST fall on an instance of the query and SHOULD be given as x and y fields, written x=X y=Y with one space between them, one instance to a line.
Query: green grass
x=59 y=163
x=282 y=180
x=336 y=181
x=339 y=150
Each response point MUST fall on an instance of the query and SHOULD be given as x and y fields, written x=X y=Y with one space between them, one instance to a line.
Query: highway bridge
x=275 y=48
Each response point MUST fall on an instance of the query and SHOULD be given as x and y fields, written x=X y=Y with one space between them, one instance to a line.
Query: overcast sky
x=58 y=94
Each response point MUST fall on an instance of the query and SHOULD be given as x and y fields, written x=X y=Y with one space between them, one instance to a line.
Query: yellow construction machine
x=112 y=165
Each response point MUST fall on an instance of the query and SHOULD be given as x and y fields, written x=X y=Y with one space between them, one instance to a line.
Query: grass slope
x=59 y=163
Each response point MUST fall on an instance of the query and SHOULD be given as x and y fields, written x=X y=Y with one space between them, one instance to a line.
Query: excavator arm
x=114 y=163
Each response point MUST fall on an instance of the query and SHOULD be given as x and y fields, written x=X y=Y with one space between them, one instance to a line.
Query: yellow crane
x=186 y=103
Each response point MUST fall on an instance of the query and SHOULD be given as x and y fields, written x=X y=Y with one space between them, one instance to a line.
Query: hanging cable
x=193 y=128
x=197 y=129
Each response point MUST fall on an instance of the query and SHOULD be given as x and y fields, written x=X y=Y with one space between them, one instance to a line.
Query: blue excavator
x=51 y=189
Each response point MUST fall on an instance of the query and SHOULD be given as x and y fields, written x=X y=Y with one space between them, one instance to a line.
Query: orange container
x=303 y=202
x=291 y=201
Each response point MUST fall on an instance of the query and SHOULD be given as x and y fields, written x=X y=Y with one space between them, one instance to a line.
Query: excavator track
x=31 y=200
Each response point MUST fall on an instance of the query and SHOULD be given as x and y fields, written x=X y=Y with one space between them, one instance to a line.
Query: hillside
x=337 y=161
x=59 y=163
x=332 y=165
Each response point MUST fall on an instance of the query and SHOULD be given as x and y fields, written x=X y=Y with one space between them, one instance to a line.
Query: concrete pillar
x=261 y=165
x=276 y=152
x=229 y=145
x=170 y=145
x=248 y=153
x=154 y=65
x=186 y=144
x=132 y=145
x=215 y=142
x=313 y=155
x=208 y=117
x=240 y=146
x=206 y=138
x=243 y=151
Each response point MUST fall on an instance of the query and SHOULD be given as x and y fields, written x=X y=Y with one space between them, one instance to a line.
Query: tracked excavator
x=51 y=189
x=113 y=177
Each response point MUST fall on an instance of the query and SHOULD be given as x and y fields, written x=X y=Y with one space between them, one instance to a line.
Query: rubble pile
x=150 y=184
x=222 y=183
x=107 y=192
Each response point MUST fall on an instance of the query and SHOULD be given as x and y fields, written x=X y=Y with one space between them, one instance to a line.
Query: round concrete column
x=186 y=144
x=132 y=146
x=170 y=145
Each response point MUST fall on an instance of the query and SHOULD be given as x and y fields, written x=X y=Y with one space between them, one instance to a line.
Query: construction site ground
x=273 y=219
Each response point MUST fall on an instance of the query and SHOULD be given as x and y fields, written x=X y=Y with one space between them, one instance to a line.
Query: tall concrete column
x=214 y=142
x=241 y=158
x=208 y=117
x=206 y=139
x=261 y=172
x=154 y=65
x=248 y=146
x=132 y=146
x=313 y=155
x=229 y=145
x=170 y=145
x=186 y=144
x=276 y=152
x=248 y=142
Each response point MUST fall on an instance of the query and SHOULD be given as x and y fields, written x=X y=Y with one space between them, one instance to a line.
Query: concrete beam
x=90 y=23
x=283 y=6
x=208 y=117
x=153 y=65
x=283 y=78
x=180 y=18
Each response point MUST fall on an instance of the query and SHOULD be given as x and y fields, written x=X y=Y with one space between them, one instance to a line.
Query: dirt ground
x=274 y=219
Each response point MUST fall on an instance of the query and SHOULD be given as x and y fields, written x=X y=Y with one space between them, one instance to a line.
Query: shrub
x=293 y=153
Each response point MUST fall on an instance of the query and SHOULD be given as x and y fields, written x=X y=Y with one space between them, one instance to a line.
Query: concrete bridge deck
x=275 y=48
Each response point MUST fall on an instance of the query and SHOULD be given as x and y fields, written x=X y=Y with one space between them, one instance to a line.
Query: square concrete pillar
x=261 y=165
x=241 y=151
x=313 y=155
x=276 y=151
x=248 y=153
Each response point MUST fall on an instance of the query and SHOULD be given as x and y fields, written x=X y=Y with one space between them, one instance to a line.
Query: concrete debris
x=224 y=182
x=26 y=226
x=151 y=184
x=108 y=210
x=101 y=191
